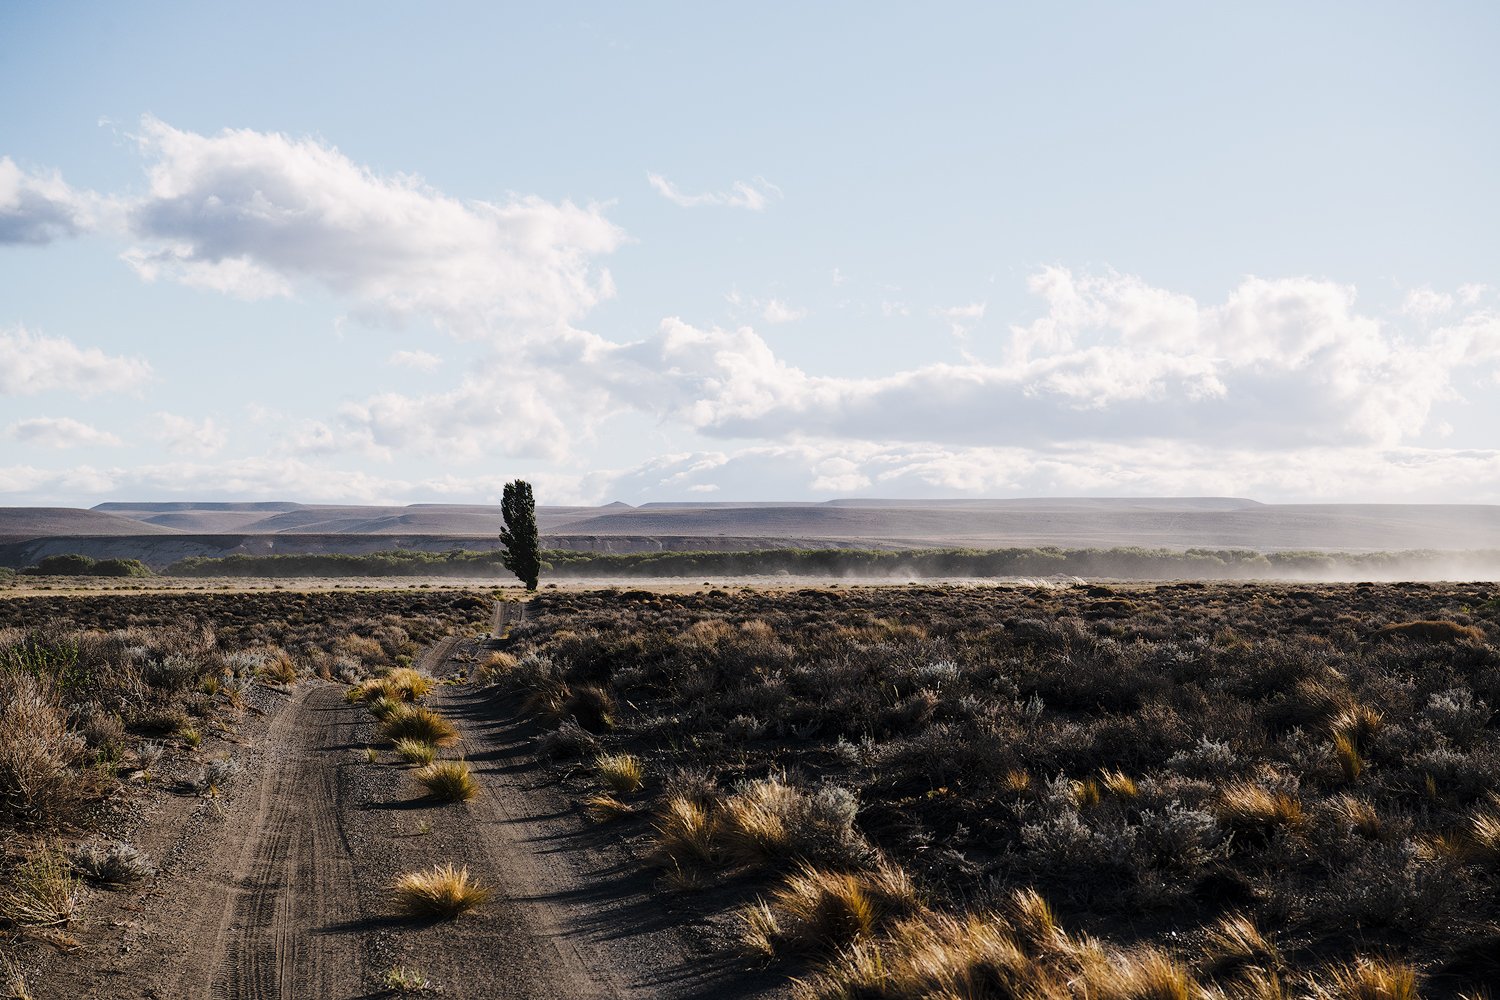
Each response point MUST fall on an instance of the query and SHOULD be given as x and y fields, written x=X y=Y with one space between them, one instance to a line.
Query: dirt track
x=279 y=890
x=294 y=874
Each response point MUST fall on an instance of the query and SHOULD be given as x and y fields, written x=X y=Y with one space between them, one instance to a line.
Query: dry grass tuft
x=1367 y=979
x=606 y=808
x=687 y=833
x=444 y=892
x=1235 y=947
x=1147 y=974
x=1119 y=784
x=279 y=669
x=939 y=955
x=1481 y=840
x=1034 y=922
x=449 y=780
x=623 y=773
x=41 y=892
x=1249 y=807
x=1252 y=984
x=383 y=707
x=818 y=912
x=1086 y=793
x=1347 y=752
x=1360 y=815
x=409 y=684
x=415 y=751
x=495 y=668
x=401 y=684
x=755 y=822
x=1357 y=724
x=37 y=783
x=422 y=724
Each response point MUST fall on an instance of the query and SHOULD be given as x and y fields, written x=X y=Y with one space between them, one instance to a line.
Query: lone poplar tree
x=523 y=551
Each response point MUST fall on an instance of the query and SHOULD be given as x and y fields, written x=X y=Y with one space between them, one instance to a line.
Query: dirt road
x=279 y=889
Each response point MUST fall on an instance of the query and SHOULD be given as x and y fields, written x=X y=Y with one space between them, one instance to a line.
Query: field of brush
x=1170 y=791
x=1177 y=791
x=104 y=698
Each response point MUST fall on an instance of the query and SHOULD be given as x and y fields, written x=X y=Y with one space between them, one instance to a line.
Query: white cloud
x=1471 y=293
x=27 y=484
x=271 y=478
x=1111 y=375
x=32 y=363
x=829 y=469
x=39 y=208
x=777 y=311
x=961 y=319
x=186 y=436
x=257 y=214
x=752 y=195
x=974 y=310
x=60 y=432
x=530 y=404
x=1424 y=303
x=1284 y=363
x=421 y=361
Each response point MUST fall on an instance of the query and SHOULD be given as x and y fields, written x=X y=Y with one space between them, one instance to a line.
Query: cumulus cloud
x=422 y=361
x=258 y=214
x=1111 y=362
x=1424 y=303
x=751 y=195
x=526 y=405
x=60 y=432
x=186 y=436
x=1279 y=363
x=961 y=319
x=40 y=208
x=32 y=363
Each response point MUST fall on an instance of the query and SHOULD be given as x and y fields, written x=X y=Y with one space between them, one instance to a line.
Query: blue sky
x=403 y=253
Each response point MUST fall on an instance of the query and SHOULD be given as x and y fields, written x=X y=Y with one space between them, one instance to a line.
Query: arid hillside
x=159 y=534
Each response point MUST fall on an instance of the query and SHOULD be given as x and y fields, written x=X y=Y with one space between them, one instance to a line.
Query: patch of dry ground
x=279 y=887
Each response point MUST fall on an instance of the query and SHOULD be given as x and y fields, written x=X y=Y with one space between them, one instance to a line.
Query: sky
x=404 y=253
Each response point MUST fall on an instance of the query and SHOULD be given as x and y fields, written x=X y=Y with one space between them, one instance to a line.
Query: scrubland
x=103 y=697
x=1187 y=791
x=1177 y=791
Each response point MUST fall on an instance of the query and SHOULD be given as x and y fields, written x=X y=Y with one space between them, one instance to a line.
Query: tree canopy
x=522 y=554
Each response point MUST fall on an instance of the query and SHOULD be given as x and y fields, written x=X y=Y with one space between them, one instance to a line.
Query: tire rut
x=293 y=882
